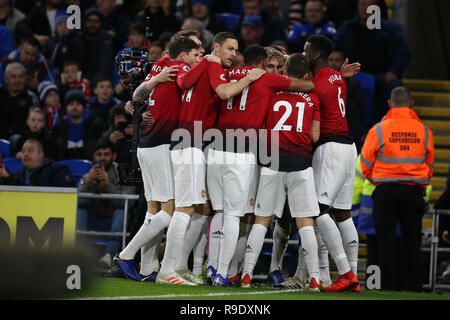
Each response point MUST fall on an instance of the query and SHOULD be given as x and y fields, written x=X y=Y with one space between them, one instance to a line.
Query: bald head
x=401 y=97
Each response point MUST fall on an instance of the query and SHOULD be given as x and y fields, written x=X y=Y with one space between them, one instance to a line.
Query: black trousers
x=396 y=202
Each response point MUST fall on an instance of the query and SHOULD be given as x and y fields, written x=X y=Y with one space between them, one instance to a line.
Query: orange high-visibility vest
x=399 y=149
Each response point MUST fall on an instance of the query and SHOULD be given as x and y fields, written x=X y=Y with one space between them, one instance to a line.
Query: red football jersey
x=248 y=109
x=291 y=114
x=199 y=101
x=331 y=88
x=164 y=104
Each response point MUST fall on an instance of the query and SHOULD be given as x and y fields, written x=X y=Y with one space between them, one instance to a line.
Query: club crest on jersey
x=148 y=77
x=335 y=77
x=252 y=202
x=186 y=68
x=203 y=193
x=222 y=77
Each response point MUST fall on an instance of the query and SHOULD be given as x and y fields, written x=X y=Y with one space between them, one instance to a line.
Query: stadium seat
x=13 y=164
x=367 y=82
x=229 y=18
x=5 y=147
x=78 y=167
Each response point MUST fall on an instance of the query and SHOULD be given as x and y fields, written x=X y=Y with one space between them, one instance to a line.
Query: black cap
x=75 y=95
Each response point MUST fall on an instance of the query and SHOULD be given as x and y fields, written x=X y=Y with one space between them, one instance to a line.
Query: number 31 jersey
x=331 y=89
x=290 y=115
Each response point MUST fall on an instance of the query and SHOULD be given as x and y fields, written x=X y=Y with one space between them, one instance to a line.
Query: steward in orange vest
x=398 y=156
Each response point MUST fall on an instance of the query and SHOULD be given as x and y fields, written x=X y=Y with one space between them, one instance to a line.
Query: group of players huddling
x=221 y=195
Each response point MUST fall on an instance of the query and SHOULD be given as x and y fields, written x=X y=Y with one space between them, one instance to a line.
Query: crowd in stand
x=60 y=85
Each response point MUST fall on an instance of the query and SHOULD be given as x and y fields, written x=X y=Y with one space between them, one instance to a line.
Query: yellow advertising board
x=38 y=217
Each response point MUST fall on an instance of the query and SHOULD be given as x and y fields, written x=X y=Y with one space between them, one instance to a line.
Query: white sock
x=214 y=238
x=309 y=246
x=350 y=241
x=193 y=233
x=324 y=264
x=149 y=252
x=174 y=243
x=300 y=272
x=331 y=236
x=240 y=250
x=230 y=232
x=280 y=244
x=147 y=232
x=255 y=242
x=200 y=249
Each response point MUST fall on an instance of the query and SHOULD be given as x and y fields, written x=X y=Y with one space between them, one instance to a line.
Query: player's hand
x=254 y=74
x=115 y=136
x=446 y=237
x=129 y=108
x=3 y=172
x=148 y=118
x=213 y=58
x=349 y=70
x=167 y=74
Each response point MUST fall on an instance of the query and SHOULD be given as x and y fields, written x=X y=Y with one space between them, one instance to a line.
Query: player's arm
x=301 y=85
x=141 y=93
x=228 y=90
x=315 y=131
x=188 y=79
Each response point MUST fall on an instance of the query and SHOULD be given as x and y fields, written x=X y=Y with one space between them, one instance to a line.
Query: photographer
x=98 y=214
x=120 y=133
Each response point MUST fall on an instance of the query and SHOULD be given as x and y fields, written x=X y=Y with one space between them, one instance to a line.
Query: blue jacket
x=302 y=30
x=398 y=53
x=6 y=40
x=49 y=174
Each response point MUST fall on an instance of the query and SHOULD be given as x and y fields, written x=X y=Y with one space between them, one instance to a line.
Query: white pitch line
x=216 y=294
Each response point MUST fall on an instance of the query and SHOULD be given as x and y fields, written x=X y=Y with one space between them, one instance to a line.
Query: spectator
x=155 y=51
x=37 y=170
x=35 y=129
x=64 y=45
x=103 y=100
x=7 y=42
x=204 y=35
x=97 y=41
x=120 y=133
x=115 y=21
x=51 y=103
x=72 y=78
x=98 y=214
x=252 y=32
x=314 y=24
x=40 y=22
x=161 y=18
x=201 y=10
x=381 y=52
x=10 y=16
x=37 y=67
x=273 y=27
x=275 y=61
x=77 y=133
x=15 y=102
x=355 y=104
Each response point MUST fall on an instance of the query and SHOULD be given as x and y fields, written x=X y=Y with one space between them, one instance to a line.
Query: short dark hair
x=32 y=41
x=254 y=54
x=179 y=45
x=37 y=143
x=138 y=28
x=321 y=44
x=116 y=110
x=221 y=37
x=71 y=63
x=297 y=66
x=105 y=144
x=185 y=33
x=100 y=77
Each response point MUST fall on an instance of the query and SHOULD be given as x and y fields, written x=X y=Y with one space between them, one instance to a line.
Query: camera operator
x=120 y=133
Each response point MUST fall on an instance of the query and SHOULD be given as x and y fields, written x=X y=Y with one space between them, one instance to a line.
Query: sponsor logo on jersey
x=252 y=202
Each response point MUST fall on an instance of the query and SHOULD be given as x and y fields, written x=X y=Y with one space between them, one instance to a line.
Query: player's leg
x=281 y=233
x=324 y=264
x=309 y=250
x=234 y=271
x=349 y=236
x=199 y=250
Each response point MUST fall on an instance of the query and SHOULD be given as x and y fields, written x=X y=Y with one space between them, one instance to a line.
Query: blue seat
x=367 y=82
x=78 y=167
x=13 y=164
x=5 y=148
x=229 y=18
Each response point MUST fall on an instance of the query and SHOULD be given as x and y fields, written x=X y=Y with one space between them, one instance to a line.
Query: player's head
x=225 y=46
x=255 y=56
x=400 y=97
x=336 y=59
x=191 y=34
x=317 y=49
x=297 y=66
x=184 y=49
x=238 y=61
x=275 y=61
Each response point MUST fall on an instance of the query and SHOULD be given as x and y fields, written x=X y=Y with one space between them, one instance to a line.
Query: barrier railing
x=120 y=196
